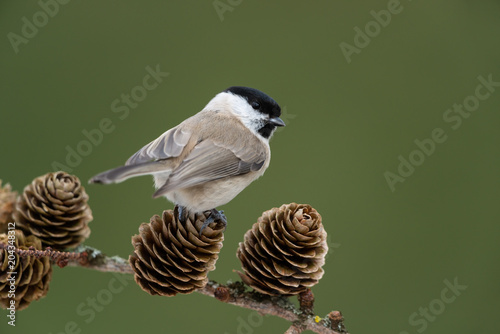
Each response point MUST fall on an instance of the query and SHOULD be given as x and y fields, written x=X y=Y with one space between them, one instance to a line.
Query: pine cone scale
x=293 y=246
x=147 y=234
x=156 y=227
x=304 y=252
x=198 y=257
x=140 y=253
x=164 y=271
x=138 y=266
x=282 y=270
x=295 y=261
x=290 y=282
x=262 y=249
x=162 y=256
x=45 y=209
x=285 y=234
x=165 y=246
x=305 y=238
x=281 y=247
x=249 y=251
x=26 y=275
x=196 y=241
x=261 y=230
x=7 y=205
x=185 y=243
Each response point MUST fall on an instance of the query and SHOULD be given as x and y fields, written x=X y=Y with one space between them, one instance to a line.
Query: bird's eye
x=255 y=105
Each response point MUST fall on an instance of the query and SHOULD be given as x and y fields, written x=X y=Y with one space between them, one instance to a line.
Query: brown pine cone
x=284 y=251
x=54 y=208
x=32 y=275
x=170 y=257
x=7 y=204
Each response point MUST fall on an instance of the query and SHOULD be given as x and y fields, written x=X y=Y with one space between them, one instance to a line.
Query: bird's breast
x=212 y=194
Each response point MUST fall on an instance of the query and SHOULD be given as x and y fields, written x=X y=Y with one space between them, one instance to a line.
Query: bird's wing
x=150 y=159
x=168 y=145
x=210 y=161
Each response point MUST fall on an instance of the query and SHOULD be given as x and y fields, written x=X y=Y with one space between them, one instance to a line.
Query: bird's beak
x=276 y=121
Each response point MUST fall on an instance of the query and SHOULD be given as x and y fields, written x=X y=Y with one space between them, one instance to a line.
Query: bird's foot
x=214 y=216
x=183 y=214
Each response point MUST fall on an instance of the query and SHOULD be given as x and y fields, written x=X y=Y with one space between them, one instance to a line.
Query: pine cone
x=284 y=251
x=7 y=204
x=32 y=275
x=54 y=208
x=170 y=257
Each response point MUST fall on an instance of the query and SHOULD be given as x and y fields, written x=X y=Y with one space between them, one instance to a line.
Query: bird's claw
x=214 y=216
x=182 y=214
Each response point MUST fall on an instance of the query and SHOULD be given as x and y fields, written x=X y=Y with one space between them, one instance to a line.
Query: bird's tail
x=123 y=173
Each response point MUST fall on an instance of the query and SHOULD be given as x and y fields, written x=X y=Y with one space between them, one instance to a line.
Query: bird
x=209 y=158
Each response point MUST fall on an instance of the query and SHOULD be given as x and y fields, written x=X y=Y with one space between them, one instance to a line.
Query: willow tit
x=209 y=158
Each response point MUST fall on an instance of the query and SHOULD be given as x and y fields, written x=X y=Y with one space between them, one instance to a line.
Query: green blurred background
x=347 y=123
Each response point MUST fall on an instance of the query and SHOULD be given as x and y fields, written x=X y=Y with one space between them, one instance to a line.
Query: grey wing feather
x=209 y=161
x=168 y=145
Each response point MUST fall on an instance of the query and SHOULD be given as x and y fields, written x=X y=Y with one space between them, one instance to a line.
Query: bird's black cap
x=257 y=99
